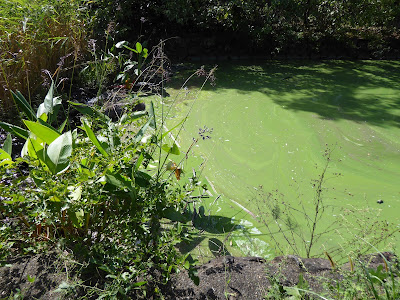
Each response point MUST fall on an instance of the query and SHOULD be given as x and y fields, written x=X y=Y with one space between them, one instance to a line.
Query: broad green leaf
x=87 y=110
x=172 y=214
x=118 y=181
x=142 y=179
x=5 y=158
x=172 y=150
x=93 y=138
x=38 y=180
x=18 y=131
x=139 y=47
x=138 y=162
x=48 y=125
x=33 y=148
x=152 y=116
x=50 y=106
x=43 y=132
x=140 y=283
x=41 y=112
x=7 y=146
x=26 y=108
x=59 y=152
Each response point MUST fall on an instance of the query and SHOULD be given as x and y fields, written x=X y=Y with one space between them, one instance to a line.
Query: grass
x=38 y=36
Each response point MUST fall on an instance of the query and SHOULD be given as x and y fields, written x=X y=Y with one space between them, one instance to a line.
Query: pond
x=272 y=124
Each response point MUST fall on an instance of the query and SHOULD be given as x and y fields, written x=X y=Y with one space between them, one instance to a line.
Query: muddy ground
x=227 y=277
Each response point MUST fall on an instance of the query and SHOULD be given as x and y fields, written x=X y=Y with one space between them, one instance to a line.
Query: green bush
x=95 y=190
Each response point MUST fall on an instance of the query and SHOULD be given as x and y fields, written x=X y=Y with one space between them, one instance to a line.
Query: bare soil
x=227 y=277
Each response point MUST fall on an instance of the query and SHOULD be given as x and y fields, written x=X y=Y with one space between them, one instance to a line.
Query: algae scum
x=272 y=123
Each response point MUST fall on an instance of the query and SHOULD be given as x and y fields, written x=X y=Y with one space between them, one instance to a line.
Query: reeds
x=35 y=36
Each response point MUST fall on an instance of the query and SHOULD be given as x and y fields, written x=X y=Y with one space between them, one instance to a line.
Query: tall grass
x=38 y=35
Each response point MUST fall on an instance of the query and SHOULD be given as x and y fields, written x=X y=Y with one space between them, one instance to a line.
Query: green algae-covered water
x=272 y=123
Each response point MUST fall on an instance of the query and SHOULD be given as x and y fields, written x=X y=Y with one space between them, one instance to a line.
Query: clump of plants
x=39 y=35
x=105 y=189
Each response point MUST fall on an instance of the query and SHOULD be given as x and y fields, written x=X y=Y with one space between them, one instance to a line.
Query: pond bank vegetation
x=95 y=182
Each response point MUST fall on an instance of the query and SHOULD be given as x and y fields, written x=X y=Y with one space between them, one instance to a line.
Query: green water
x=272 y=122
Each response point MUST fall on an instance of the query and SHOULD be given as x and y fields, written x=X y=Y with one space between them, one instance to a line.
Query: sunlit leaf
x=43 y=132
x=139 y=47
x=120 y=44
x=75 y=193
x=59 y=152
x=93 y=138
x=142 y=131
x=5 y=158
x=48 y=100
x=172 y=150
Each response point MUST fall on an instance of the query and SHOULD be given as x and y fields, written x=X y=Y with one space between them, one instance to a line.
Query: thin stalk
x=318 y=207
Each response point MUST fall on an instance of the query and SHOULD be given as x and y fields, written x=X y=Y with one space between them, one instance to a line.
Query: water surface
x=272 y=123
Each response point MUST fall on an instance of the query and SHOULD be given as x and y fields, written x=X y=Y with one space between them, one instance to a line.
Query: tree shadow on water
x=206 y=226
x=363 y=91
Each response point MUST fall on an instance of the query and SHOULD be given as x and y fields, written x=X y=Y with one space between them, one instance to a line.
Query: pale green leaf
x=172 y=150
x=5 y=158
x=139 y=47
x=59 y=152
x=142 y=131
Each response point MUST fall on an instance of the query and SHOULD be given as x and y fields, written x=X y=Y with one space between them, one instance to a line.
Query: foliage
x=98 y=190
x=39 y=35
x=363 y=282
x=258 y=25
